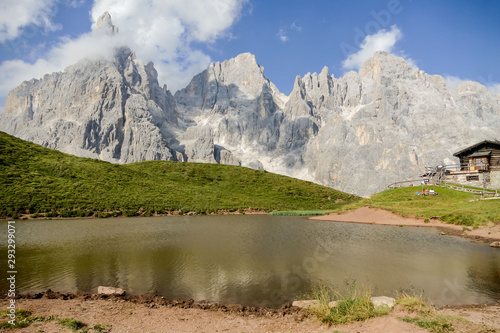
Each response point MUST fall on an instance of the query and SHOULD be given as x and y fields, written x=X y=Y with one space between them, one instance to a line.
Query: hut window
x=471 y=178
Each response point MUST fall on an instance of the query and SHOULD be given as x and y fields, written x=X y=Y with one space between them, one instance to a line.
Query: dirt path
x=127 y=316
x=369 y=215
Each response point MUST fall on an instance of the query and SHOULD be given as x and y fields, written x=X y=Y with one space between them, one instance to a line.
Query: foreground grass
x=425 y=316
x=449 y=206
x=353 y=305
x=45 y=182
x=25 y=318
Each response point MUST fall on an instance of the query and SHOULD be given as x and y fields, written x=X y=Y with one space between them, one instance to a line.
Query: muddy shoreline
x=155 y=301
x=130 y=313
x=368 y=215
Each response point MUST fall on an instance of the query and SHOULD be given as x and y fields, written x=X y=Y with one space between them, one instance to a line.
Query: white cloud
x=283 y=32
x=453 y=81
x=383 y=40
x=73 y=3
x=296 y=27
x=282 y=35
x=14 y=15
x=161 y=31
x=494 y=88
x=66 y=53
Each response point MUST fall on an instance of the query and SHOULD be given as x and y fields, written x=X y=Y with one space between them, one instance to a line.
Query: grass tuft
x=424 y=315
x=70 y=323
x=98 y=328
x=436 y=323
x=354 y=305
x=25 y=318
x=413 y=303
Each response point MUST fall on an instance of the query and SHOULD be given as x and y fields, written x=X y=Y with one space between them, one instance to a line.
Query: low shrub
x=298 y=212
x=130 y=213
x=459 y=219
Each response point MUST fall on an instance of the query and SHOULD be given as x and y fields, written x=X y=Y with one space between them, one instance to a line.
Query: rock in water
x=306 y=304
x=102 y=290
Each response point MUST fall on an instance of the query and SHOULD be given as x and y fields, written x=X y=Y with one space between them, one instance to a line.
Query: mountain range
x=357 y=133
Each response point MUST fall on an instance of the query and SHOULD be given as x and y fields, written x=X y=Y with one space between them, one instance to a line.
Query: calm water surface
x=252 y=260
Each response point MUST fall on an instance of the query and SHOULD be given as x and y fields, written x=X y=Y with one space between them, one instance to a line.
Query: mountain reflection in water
x=252 y=260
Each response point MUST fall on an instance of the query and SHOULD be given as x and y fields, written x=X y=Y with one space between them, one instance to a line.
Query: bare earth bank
x=127 y=316
x=369 y=215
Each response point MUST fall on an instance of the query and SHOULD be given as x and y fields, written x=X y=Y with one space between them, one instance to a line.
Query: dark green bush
x=130 y=213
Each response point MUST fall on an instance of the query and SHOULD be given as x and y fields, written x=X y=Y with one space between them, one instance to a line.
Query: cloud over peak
x=162 y=31
x=383 y=40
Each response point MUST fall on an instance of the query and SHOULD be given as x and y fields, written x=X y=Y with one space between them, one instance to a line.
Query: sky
x=458 y=39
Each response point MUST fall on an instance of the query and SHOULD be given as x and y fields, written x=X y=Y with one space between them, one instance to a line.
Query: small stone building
x=479 y=165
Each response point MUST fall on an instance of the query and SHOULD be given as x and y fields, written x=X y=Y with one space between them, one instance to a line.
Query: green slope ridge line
x=34 y=179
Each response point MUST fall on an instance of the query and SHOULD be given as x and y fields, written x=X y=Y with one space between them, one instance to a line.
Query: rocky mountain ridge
x=357 y=133
x=110 y=110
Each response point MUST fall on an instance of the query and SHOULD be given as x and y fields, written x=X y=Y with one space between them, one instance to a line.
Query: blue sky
x=457 y=39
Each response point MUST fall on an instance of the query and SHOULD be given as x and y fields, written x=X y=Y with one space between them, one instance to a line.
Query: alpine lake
x=256 y=260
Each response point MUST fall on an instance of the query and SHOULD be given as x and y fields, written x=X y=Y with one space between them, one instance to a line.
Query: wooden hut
x=479 y=165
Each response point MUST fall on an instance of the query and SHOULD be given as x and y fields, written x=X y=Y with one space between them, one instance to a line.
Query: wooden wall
x=494 y=157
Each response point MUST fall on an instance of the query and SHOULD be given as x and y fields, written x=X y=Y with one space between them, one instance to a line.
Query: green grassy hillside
x=34 y=179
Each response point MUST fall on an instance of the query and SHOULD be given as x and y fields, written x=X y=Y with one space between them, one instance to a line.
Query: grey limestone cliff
x=113 y=110
x=357 y=133
x=247 y=116
x=389 y=121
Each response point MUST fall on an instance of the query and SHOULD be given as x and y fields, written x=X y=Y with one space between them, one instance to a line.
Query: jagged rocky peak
x=105 y=25
x=316 y=80
x=111 y=109
x=245 y=59
x=243 y=72
x=472 y=87
x=319 y=86
x=298 y=104
x=356 y=133
x=384 y=64
x=238 y=79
